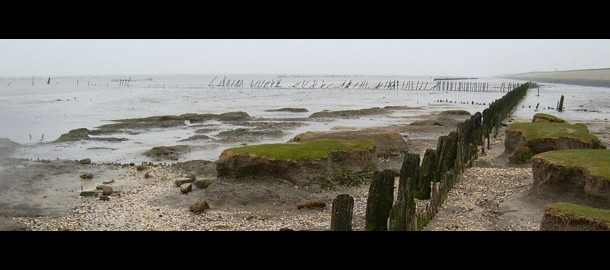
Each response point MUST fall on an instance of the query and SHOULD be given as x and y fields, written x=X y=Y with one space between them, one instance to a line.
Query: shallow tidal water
x=45 y=111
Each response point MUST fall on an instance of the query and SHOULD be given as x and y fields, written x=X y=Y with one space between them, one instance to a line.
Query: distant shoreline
x=589 y=77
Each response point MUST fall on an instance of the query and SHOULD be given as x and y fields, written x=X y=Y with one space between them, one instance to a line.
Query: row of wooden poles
x=351 y=84
x=461 y=86
x=431 y=180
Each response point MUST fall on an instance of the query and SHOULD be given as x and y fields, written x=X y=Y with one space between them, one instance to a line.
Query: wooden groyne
x=440 y=169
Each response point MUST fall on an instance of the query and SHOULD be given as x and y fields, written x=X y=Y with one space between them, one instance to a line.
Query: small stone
x=140 y=168
x=199 y=206
x=107 y=190
x=190 y=176
x=104 y=198
x=181 y=182
x=100 y=187
x=86 y=176
x=147 y=175
x=108 y=182
x=85 y=161
x=186 y=188
x=286 y=230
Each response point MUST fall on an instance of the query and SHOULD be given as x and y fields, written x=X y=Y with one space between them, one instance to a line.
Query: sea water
x=35 y=110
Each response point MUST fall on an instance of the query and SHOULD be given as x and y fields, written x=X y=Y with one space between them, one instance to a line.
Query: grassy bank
x=563 y=208
x=303 y=150
x=540 y=130
x=596 y=161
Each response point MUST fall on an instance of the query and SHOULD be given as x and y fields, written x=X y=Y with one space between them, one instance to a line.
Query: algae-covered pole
x=403 y=210
x=380 y=200
x=341 y=217
x=427 y=173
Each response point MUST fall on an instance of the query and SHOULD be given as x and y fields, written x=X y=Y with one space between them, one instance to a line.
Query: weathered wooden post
x=403 y=210
x=449 y=151
x=380 y=200
x=426 y=175
x=560 y=107
x=341 y=216
x=440 y=149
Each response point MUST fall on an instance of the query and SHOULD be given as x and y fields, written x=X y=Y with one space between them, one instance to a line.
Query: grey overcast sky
x=371 y=57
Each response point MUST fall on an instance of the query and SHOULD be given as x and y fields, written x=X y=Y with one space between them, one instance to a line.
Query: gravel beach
x=473 y=204
x=492 y=195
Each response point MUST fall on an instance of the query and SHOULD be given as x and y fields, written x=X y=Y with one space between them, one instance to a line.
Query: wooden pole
x=403 y=210
x=560 y=107
x=426 y=175
x=341 y=216
x=380 y=200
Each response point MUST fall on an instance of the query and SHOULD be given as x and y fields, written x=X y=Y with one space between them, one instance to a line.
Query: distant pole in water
x=30 y=134
x=49 y=81
x=33 y=77
x=42 y=138
x=76 y=82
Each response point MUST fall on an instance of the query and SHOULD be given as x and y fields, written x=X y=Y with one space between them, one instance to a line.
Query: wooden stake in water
x=560 y=106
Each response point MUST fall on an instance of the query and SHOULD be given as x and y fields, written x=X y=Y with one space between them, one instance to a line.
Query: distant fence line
x=413 y=85
x=445 y=85
x=439 y=171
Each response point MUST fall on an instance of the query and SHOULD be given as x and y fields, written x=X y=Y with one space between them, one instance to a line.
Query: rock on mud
x=85 y=161
x=199 y=206
x=196 y=138
x=167 y=152
x=186 y=188
x=294 y=110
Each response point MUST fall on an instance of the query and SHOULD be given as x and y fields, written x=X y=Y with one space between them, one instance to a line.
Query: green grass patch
x=544 y=117
x=596 y=161
x=203 y=183
x=540 y=130
x=579 y=210
x=303 y=150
